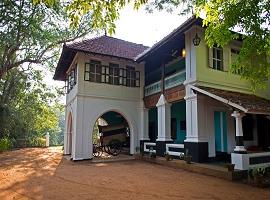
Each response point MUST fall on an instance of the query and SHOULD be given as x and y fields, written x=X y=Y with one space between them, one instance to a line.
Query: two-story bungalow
x=176 y=97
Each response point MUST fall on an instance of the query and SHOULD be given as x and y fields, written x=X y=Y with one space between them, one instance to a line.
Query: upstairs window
x=217 y=59
x=133 y=77
x=114 y=73
x=93 y=71
x=71 y=79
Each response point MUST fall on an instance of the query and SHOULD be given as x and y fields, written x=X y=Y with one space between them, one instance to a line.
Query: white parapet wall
x=175 y=146
x=249 y=160
x=149 y=144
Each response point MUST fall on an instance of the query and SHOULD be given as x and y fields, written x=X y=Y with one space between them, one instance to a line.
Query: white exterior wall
x=207 y=107
x=88 y=101
x=199 y=108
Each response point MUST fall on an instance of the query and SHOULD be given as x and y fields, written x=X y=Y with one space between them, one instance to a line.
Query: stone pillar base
x=240 y=150
x=198 y=151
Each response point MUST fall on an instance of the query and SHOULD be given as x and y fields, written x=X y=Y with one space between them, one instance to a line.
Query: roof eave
x=181 y=28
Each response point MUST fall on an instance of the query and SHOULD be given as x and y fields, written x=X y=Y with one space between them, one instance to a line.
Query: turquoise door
x=220 y=119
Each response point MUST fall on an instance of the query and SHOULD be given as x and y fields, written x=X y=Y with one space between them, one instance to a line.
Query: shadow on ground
x=45 y=174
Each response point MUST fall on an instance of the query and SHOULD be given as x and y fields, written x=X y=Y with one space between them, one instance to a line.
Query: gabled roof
x=179 y=30
x=247 y=103
x=103 y=45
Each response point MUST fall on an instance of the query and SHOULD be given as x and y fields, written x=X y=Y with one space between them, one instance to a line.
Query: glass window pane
x=116 y=72
x=86 y=76
x=133 y=83
x=98 y=69
x=218 y=54
x=137 y=83
x=218 y=65
x=92 y=68
x=120 y=81
x=103 y=70
x=87 y=67
x=116 y=81
x=137 y=75
x=92 y=77
x=98 y=78
x=214 y=53
x=102 y=78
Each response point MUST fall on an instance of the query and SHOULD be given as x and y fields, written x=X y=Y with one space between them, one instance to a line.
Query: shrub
x=37 y=142
x=260 y=175
x=5 y=144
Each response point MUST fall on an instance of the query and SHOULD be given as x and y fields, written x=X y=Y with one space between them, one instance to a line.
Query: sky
x=141 y=27
x=146 y=28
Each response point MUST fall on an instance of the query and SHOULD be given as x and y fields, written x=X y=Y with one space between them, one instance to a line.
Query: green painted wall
x=178 y=111
x=209 y=77
x=153 y=120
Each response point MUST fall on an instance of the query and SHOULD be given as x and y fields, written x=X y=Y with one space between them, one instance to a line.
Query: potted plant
x=167 y=157
x=188 y=157
x=259 y=176
x=152 y=153
x=230 y=167
x=182 y=156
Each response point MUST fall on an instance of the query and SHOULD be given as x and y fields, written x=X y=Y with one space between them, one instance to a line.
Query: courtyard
x=43 y=173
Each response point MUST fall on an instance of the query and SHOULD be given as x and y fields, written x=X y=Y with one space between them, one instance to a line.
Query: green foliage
x=249 y=17
x=5 y=144
x=96 y=134
x=32 y=32
x=260 y=171
x=259 y=175
x=223 y=17
x=26 y=109
x=37 y=142
x=103 y=13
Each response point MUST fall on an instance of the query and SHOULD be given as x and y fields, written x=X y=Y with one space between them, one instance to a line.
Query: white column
x=192 y=133
x=144 y=135
x=239 y=131
x=164 y=119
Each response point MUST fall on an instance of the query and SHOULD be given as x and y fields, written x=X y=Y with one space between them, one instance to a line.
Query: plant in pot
x=182 y=156
x=167 y=157
x=230 y=167
x=152 y=154
x=188 y=157
x=260 y=176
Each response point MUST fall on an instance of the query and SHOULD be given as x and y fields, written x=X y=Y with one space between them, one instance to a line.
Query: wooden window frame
x=215 y=60
x=119 y=77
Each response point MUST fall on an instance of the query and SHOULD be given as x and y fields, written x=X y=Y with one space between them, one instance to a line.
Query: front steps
x=205 y=169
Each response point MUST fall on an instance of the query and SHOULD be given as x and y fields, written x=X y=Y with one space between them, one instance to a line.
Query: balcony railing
x=170 y=81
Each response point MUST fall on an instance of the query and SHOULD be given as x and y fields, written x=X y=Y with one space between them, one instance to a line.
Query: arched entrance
x=69 y=134
x=111 y=135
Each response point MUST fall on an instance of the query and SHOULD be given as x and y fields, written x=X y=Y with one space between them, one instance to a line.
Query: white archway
x=127 y=118
x=69 y=134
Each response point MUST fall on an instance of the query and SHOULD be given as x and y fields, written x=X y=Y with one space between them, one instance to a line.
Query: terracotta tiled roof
x=249 y=102
x=106 y=45
x=103 y=45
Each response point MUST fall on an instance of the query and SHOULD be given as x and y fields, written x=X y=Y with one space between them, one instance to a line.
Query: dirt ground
x=45 y=174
